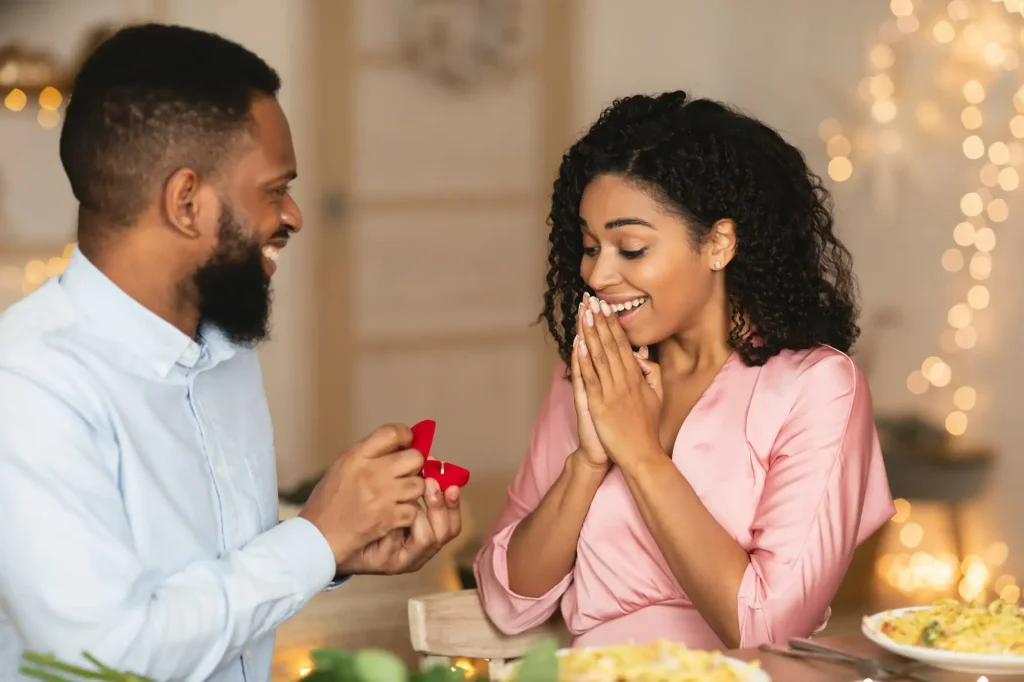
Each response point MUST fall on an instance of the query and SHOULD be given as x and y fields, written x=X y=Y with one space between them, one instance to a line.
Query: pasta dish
x=996 y=629
x=655 y=662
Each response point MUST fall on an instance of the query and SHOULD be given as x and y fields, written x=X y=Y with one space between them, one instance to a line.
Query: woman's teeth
x=270 y=253
x=628 y=305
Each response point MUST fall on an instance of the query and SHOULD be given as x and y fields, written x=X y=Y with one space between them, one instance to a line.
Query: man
x=138 y=501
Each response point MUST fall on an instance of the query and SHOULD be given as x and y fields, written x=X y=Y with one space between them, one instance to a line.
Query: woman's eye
x=592 y=251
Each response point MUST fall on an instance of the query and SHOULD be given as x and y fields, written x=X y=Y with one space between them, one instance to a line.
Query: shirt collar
x=116 y=316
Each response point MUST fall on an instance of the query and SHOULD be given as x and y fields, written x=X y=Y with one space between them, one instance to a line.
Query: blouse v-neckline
x=702 y=399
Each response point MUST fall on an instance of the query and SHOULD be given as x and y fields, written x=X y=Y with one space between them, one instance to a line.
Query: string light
x=981 y=43
x=965 y=398
x=50 y=100
x=468 y=667
x=16 y=100
x=974 y=147
x=978 y=42
x=27 y=278
x=978 y=297
x=913 y=570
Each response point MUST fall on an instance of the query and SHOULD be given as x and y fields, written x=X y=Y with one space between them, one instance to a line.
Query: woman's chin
x=638 y=338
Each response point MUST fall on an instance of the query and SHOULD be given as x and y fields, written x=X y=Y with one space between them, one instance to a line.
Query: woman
x=711 y=486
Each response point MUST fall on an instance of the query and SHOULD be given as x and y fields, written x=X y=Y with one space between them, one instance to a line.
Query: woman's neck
x=697 y=349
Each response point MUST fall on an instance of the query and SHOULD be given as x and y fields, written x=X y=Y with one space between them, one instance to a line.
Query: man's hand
x=407 y=550
x=370 y=491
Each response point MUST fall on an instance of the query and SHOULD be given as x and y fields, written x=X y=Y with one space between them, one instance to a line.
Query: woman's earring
x=718 y=265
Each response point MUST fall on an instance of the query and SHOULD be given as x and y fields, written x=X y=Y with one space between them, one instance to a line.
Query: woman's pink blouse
x=784 y=456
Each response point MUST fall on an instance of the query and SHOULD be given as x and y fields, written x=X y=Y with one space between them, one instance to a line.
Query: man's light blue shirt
x=138 y=492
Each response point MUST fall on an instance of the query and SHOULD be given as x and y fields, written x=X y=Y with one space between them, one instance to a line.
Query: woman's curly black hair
x=790 y=284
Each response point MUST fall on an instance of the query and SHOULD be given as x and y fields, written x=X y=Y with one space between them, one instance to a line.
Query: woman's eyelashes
x=628 y=254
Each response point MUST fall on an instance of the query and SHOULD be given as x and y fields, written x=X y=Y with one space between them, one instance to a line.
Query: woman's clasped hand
x=619 y=389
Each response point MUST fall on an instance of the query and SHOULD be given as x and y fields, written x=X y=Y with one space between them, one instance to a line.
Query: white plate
x=747 y=672
x=976 y=664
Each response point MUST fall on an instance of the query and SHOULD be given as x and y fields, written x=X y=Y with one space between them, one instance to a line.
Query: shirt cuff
x=303 y=551
x=338 y=581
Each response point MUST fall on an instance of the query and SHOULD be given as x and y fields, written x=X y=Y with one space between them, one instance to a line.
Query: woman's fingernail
x=589 y=317
x=583 y=348
x=606 y=309
x=433 y=488
x=595 y=304
x=644 y=352
x=576 y=341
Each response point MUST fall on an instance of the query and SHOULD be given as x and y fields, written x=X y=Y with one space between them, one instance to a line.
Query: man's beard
x=233 y=288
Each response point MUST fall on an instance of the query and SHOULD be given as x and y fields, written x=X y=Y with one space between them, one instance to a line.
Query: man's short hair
x=150 y=100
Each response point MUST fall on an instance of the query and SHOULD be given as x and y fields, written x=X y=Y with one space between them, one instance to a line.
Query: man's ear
x=191 y=207
x=179 y=202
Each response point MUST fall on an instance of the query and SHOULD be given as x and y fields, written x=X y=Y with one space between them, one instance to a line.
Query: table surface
x=783 y=669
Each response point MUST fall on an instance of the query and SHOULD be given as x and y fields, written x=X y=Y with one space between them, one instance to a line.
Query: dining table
x=785 y=669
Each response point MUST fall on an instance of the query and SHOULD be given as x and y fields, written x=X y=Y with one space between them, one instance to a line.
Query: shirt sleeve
x=553 y=439
x=71 y=581
x=826 y=491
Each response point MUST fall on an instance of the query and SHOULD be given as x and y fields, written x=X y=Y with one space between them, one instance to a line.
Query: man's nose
x=292 y=215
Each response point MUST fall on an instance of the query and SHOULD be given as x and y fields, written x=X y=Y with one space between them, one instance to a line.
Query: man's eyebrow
x=287 y=176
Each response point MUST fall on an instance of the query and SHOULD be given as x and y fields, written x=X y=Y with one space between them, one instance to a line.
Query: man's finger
x=453 y=499
x=437 y=513
x=404 y=462
x=387 y=439
x=405 y=515
x=420 y=546
x=390 y=543
x=410 y=489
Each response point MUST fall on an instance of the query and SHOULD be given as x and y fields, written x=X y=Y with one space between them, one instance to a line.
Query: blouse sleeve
x=825 y=492
x=553 y=438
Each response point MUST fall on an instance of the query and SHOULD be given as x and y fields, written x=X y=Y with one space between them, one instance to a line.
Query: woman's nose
x=605 y=273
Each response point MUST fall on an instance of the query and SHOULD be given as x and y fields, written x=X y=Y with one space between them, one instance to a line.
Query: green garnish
x=329 y=665
x=931 y=634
